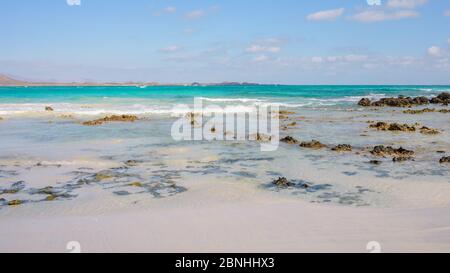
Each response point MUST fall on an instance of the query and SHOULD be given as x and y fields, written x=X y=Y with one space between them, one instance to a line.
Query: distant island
x=9 y=81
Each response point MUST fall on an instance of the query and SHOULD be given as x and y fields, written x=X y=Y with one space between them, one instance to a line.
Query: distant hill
x=5 y=80
x=8 y=81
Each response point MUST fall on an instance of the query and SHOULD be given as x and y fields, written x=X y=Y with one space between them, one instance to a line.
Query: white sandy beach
x=225 y=218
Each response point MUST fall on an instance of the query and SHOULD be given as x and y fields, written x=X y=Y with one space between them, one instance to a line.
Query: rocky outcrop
x=314 y=144
x=443 y=98
x=15 y=202
x=445 y=159
x=384 y=126
x=342 y=148
x=402 y=101
x=282 y=182
x=289 y=140
x=364 y=102
x=402 y=158
x=428 y=131
x=113 y=118
x=422 y=111
x=382 y=150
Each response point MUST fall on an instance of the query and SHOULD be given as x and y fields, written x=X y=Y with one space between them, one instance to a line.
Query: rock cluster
x=402 y=101
x=314 y=144
x=426 y=110
x=384 y=126
x=382 y=150
x=445 y=159
x=113 y=118
x=342 y=148
x=282 y=182
x=289 y=140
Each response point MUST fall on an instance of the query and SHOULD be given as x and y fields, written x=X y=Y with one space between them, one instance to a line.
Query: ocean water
x=40 y=149
x=164 y=99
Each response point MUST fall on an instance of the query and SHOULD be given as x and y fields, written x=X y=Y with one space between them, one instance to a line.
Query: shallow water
x=132 y=162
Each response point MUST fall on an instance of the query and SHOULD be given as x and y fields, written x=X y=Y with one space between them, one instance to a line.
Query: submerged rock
x=384 y=126
x=292 y=124
x=131 y=163
x=113 y=118
x=15 y=202
x=286 y=113
x=282 y=182
x=402 y=158
x=429 y=131
x=136 y=184
x=445 y=111
x=261 y=137
x=15 y=188
x=289 y=140
x=445 y=159
x=103 y=176
x=342 y=148
x=375 y=162
x=382 y=150
x=48 y=108
x=416 y=112
x=314 y=144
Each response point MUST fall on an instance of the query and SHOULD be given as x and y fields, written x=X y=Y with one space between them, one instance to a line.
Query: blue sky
x=267 y=41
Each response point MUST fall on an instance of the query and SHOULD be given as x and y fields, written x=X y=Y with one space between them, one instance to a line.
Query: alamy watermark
x=216 y=123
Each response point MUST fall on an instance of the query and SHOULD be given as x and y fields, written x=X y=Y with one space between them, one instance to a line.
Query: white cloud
x=406 y=4
x=195 y=14
x=74 y=2
x=170 y=9
x=435 y=51
x=447 y=13
x=371 y=16
x=261 y=48
x=170 y=49
x=328 y=15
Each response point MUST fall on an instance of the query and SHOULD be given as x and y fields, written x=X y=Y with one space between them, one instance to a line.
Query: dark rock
x=429 y=131
x=383 y=126
x=416 y=112
x=282 y=182
x=314 y=144
x=15 y=202
x=48 y=108
x=402 y=158
x=420 y=100
x=402 y=101
x=131 y=163
x=364 y=102
x=289 y=140
x=342 y=148
x=445 y=159
x=389 y=151
x=121 y=193
x=375 y=162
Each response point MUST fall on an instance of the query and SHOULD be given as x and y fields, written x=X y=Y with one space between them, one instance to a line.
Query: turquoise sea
x=162 y=99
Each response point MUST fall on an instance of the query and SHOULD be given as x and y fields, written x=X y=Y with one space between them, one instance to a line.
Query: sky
x=264 y=41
